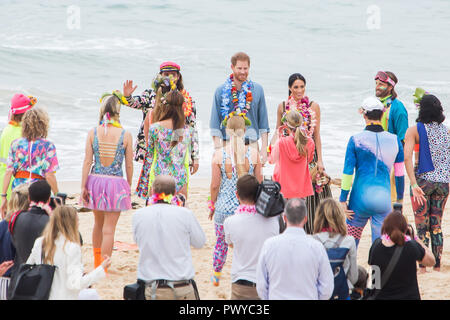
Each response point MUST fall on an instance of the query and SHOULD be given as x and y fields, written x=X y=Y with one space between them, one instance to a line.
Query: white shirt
x=68 y=280
x=294 y=266
x=164 y=234
x=247 y=233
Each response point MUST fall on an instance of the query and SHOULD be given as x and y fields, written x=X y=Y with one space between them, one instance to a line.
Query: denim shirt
x=257 y=114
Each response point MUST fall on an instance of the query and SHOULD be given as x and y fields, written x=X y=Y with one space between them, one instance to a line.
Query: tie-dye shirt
x=43 y=158
x=372 y=154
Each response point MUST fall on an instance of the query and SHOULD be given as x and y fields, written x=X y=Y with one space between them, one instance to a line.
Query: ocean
x=68 y=53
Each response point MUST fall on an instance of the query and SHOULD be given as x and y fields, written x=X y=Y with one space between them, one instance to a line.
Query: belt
x=245 y=283
x=26 y=175
x=176 y=284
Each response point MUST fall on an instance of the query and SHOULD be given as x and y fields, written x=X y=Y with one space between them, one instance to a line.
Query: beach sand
x=433 y=285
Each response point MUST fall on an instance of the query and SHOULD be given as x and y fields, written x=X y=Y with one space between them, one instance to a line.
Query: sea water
x=68 y=53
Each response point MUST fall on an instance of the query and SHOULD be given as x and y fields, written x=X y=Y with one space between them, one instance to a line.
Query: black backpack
x=270 y=201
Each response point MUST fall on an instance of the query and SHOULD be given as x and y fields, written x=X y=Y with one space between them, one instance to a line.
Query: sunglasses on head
x=382 y=76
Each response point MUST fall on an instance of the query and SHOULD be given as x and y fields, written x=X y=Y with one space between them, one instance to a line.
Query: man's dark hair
x=295 y=210
x=247 y=188
x=39 y=191
x=374 y=115
x=394 y=78
x=430 y=110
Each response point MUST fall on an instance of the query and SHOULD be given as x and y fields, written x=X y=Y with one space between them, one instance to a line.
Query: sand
x=433 y=285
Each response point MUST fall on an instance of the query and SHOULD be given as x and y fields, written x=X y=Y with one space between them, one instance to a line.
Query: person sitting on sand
x=103 y=188
x=245 y=232
x=164 y=232
x=371 y=153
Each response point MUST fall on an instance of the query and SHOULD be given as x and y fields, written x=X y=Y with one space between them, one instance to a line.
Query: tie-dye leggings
x=429 y=215
x=220 y=250
x=356 y=226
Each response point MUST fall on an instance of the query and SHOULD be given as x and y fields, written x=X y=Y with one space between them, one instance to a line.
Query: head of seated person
x=247 y=189
x=39 y=192
x=163 y=184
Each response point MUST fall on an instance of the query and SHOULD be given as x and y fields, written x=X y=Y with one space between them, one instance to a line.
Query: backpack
x=270 y=201
x=337 y=257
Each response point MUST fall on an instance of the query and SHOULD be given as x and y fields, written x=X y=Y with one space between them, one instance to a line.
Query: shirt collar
x=295 y=230
x=374 y=128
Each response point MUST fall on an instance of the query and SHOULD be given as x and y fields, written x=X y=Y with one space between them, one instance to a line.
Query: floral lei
x=302 y=106
x=241 y=104
x=245 y=208
x=187 y=105
x=168 y=198
x=107 y=120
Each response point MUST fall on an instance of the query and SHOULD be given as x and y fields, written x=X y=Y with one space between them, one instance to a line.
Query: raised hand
x=128 y=88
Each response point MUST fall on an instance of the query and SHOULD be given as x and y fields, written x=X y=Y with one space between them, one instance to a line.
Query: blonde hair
x=294 y=120
x=110 y=104
x=329 y=214
x=236 y=129
x=35 y=124
x=63 y=221
x=18 y=200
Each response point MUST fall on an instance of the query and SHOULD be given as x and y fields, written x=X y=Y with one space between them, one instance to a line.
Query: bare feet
x=422 y=270
x=438 y=269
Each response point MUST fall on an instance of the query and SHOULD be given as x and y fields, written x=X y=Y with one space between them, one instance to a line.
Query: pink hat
x=169 y=66
x=21 y=103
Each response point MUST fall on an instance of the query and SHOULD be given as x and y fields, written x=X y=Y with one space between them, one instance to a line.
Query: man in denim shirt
x=257 y=112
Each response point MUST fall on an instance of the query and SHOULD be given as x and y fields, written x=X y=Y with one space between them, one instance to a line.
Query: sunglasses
x=382 y=76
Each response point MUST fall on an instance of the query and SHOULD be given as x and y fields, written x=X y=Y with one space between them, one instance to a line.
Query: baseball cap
x=372 y=103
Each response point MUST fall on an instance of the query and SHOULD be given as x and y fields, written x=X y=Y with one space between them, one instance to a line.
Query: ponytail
x=397 y=237
x=300 y=141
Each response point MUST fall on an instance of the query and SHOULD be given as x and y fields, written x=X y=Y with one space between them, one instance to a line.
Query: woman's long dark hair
x=293 y=78
x=430 y=110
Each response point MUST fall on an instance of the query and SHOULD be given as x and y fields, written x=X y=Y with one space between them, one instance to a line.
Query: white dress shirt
x=247 y=233
x=164 y=234
x=68 y=280
x=294 y=266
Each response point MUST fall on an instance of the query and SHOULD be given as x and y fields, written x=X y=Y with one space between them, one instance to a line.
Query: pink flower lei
x=245 y=208
x=302 y=106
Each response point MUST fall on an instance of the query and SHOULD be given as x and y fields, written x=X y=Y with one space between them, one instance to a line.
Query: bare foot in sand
x=438 y=269
x=422 y=270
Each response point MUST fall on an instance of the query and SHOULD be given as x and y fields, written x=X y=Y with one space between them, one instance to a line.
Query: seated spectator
x=164 y=232
x=292 y=265
x=246 y=231
x=27 y=226
x=17 y=203
x=60 y=246
x=402 y=283
x=331 y=230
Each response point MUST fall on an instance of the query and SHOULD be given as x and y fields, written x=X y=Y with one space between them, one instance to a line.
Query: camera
x=58 y=199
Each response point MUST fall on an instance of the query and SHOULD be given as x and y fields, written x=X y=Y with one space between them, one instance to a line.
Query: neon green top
x=385 y=117
x=9 y=134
